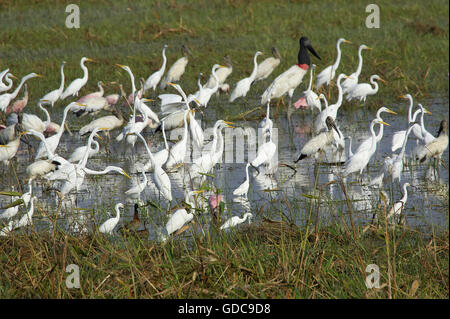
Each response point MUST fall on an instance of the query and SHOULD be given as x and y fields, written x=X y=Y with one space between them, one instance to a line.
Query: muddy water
x=285 y=194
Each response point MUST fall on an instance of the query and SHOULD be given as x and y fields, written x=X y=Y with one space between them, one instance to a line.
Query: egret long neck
x=61 y=128
x=16 y=91
x=340 y=93
x=380 y=133
x=216 y=86
x=405 y=195
x=163 y=66
x=411 y=119
x=164 y=136
x=374 y=142
x=133 y=86
x=338 y=58
x=375 y=84
x=255 y=68
x=358 y=70
x=83 y=161
x=61 y=86
x=85 y=71
x=46 y=113
x=185 y=127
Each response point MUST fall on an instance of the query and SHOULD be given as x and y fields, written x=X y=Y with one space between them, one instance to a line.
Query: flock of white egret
x=180 y=111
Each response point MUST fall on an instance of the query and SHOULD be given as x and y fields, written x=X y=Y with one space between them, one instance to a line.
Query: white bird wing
x=169 y=98
x=266 y=67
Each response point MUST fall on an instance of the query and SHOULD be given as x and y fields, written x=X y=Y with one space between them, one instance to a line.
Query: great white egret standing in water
x=77 y=84
x=352 y=80
x=327 y=74
x=362 y=90
x=108 y=226
x=243 y=86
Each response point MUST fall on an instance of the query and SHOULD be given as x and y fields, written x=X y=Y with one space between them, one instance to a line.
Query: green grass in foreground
x=271 y=260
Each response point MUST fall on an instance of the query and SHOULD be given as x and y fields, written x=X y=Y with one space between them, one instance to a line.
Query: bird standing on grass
x=108 y=226
x=266 y=67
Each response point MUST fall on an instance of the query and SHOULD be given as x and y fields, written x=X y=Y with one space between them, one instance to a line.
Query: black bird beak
x=311 y=49
x=333 y=125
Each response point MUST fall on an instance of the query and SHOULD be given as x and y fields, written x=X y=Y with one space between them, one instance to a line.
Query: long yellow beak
x=120 y=65
x=199 y=191
x=401 y=96
x=1 y=145
x=14 y=77
x=39 y=76
x=390 y=111
x=368 y=48
x=426 y=111
x=90 y=60
x=148 y=100
x=347 y=41
x=384 y=123
x=382 y=80
x=125 y=173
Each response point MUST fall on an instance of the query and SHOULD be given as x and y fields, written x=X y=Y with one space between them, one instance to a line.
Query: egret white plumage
x=397 y=209
x=368 y=141
x=331 y=110
x=53 y=141
x=399 y=136
x=221 y=74
x=27 y=219
x=78 y=153
x=9 y=150
x=266 y=122
x=109 y=123
x=243 y=86
x=76 y=85
x=236 y=220
x=53 y=96
x=33 y=122
x=207 y=92
x=177 y=69
x=266 y=67
x=153 y=80
x=159 y=174
x=327 y=74
x=26 y=197
x=178 y=151
x=351 y=81
x=319 y=142
x=360 y=159
x=137 y=189
x=362 y=90
x=265 y=151
x=108 y=226
x=8 y=80
x=6 y=98
x=242 y=190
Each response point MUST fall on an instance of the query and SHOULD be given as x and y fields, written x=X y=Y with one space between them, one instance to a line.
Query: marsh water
x=287 y=194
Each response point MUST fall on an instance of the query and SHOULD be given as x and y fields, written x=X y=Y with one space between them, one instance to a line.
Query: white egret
x=399 y=136
x=27 y=219
x=8 y=80
x=178 y=151
x=236 y=220
x=221 y=74
x=153 y=80
x=77 y=84
x=310 y=98
x=397 y=209
x=159 y=157
x=362 y=90
x=207 y=92
x=243 y=86
x=26 y=197
x=9 y=150
x=78 y=153
x=396 y=162
x=318 y=143
x=266 y=122
x=331 y=110
x=242 y=190
x=196 y=130
x=139 y=187
x=177 y=69
x=359 y=160
x=108 y=226
x=206 y=162
x=159 y=174
x=6 y=98
x=351 y=81
x=53 y=96
x=368 y=141
x=181 y=216
x=266 y=67
x=33 y=122
x=327 y=74
x=265 y=152
x=53 y=141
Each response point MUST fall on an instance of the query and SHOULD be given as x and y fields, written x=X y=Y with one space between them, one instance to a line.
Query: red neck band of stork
x=303 y=66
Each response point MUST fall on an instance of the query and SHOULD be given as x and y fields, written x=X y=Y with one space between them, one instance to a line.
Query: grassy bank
x=410 y=47
x=269 y=260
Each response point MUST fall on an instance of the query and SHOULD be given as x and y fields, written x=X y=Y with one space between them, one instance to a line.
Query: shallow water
x=286 y=194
